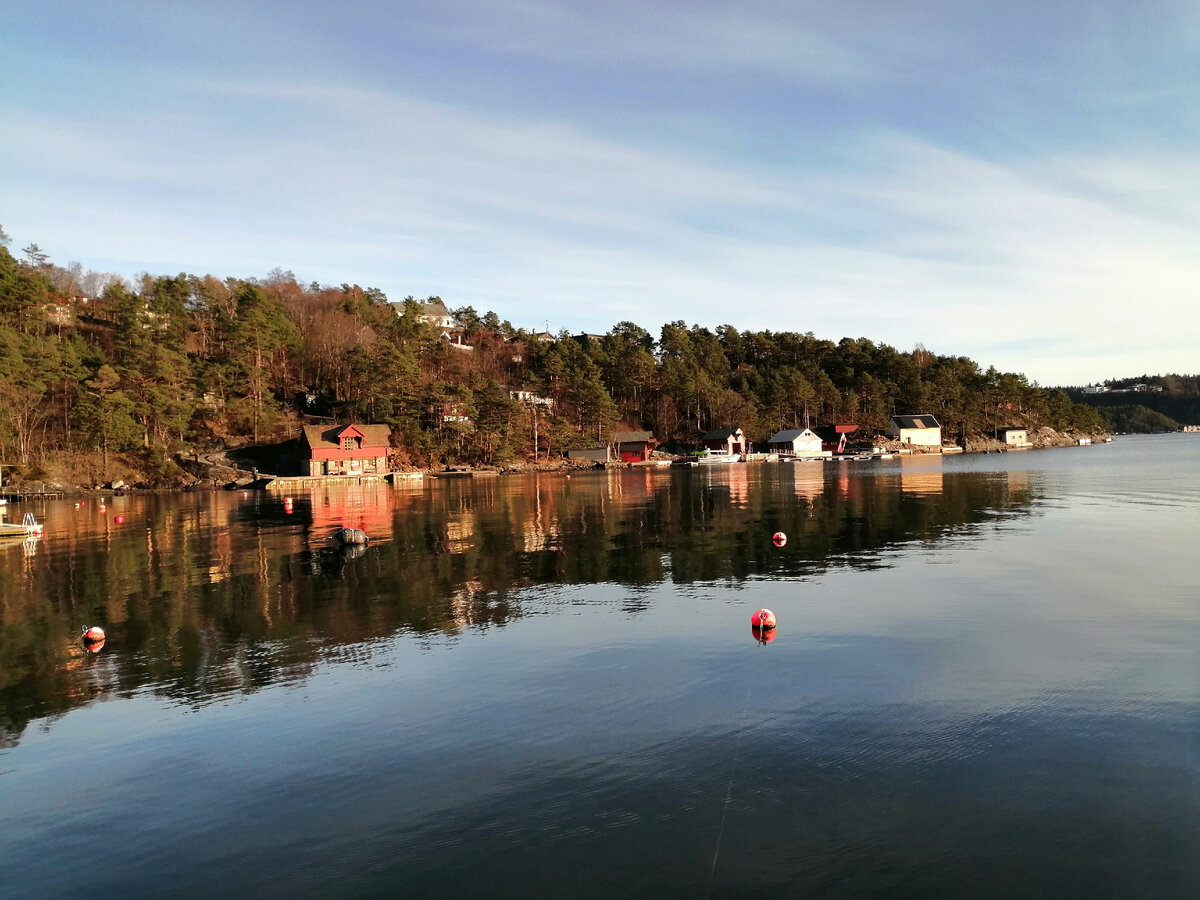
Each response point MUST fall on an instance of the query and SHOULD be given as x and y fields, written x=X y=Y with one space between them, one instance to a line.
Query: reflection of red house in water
x=367 y=506
x=345 y=449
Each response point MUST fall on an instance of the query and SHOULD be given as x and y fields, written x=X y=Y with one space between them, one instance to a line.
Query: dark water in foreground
x=985 y=682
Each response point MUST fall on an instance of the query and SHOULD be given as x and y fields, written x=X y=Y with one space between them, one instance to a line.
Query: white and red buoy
x=763 y=618
x=779 y=539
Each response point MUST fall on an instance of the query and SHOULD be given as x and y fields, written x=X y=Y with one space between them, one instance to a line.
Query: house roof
x=788 y=435
x=922 y=421
x=435 y=308
x=632 y=437
x=720 y=434
x=372 y=435
x=832 y=433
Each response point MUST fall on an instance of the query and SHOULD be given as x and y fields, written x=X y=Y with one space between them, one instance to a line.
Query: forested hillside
x=1147 y=403
x=99 y=375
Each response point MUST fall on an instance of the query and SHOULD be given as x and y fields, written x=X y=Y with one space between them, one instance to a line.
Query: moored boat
x=718 y=457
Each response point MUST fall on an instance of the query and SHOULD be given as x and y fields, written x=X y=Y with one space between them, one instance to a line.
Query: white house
x=1013 y=437
x=921 y=431
x=435 y=313
x=726 y=440
x=797 y=442
x=530 y=398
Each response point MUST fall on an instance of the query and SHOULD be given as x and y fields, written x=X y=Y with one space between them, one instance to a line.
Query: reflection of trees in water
x=211 y=595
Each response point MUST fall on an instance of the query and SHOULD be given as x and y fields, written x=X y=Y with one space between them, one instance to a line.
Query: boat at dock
x=718 y=457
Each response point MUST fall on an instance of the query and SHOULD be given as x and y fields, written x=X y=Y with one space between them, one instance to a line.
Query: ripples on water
x=983 y=683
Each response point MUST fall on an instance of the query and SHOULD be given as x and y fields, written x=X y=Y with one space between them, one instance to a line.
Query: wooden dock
x=297 y=483
x=17 y=494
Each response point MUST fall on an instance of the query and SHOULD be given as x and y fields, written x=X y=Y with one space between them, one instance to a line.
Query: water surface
x=985 y=682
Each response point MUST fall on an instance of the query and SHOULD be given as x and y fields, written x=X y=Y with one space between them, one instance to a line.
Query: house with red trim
x=726 y=440
x=345 y=449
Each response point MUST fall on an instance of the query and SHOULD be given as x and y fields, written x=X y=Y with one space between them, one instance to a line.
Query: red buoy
x=764 y=619
x=93 y=634
x=120 y=520
x=779 y=539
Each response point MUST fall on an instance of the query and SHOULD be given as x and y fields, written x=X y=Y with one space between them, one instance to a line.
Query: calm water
x=985 y=682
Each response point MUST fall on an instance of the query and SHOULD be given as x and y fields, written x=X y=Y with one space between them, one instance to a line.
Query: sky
x=1017 y=182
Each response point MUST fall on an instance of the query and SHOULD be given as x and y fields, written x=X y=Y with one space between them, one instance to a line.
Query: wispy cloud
x=664 y=36
x=1068 y=262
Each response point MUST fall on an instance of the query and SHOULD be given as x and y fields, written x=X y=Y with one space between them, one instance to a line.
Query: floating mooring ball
x=351 y=536
x=93 y=638
x=763 y=618
x=779 y=539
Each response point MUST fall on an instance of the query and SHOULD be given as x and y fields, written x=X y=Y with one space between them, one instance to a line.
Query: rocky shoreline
x=218 y=471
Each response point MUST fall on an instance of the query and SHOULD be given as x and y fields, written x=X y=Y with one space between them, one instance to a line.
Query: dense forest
x=100 y=376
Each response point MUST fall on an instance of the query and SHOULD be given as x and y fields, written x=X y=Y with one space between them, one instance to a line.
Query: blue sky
x=1015 y=182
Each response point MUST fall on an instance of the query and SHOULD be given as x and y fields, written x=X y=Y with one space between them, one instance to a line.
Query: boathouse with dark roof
x=633 y=446
x=922 y=431
x=796 y=442
x=726 y=440
x=345 y=449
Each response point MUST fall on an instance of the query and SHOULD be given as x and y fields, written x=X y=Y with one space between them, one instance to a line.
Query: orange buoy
x=94 y=646
x=763 y=618
x=779 y=539
x=93 y=634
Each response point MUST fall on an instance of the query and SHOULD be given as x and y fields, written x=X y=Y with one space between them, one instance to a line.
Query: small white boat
x=718 y=457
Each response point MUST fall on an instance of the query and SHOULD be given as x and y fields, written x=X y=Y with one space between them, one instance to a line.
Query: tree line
x=98 y=373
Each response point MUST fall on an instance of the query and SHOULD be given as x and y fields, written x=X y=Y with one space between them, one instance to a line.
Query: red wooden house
x=633 y=446
x=345 y=449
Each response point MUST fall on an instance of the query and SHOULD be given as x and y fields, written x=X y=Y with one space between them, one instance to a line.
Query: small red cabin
x=345 y=449
x=634 y=446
